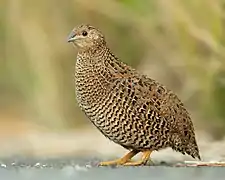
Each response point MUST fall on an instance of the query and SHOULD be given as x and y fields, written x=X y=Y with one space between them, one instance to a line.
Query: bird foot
x=114 y=162
x=135 y=163
x=126 y=160
x=120 y=161
x=144 y=160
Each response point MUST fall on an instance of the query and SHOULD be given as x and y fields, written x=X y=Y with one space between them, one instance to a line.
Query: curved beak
x=71 y=37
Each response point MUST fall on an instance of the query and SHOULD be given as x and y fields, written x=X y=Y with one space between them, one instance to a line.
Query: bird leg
x=144 y=159
x=120 y=161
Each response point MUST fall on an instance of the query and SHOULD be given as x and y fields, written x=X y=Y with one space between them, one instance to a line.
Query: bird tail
x=192 y=150
x=185 y=146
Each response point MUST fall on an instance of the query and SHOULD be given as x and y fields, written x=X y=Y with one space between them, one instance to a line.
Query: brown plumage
x=129 y=108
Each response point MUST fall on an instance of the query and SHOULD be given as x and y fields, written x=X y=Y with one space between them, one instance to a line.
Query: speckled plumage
x=129 y=108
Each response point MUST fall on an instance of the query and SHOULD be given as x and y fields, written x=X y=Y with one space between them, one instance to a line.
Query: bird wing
x=152 y=101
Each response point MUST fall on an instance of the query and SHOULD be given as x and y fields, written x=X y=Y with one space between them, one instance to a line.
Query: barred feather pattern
x=129 y=108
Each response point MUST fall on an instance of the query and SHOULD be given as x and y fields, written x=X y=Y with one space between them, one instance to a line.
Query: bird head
x=86 y=37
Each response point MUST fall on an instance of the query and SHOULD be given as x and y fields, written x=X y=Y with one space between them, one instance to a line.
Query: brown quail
x=129 y=108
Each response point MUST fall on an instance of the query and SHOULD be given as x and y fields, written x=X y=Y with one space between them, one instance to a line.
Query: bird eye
x=84 y=33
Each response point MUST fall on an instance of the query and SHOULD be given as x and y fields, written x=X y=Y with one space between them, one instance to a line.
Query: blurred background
x=179 y=43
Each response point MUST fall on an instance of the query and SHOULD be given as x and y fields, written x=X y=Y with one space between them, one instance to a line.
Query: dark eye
x=84 y=33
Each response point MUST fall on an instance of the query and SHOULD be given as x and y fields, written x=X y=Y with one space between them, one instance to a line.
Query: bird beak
x=71 y=37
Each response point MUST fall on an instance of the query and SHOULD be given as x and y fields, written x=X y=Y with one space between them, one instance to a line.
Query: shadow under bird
x=129 y=108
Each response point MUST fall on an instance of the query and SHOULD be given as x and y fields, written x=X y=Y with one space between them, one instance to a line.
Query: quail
x=127 y=107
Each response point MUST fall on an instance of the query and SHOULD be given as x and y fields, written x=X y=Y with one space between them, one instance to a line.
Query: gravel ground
x=84 y=169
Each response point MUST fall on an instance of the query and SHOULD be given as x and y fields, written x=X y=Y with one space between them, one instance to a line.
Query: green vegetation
x=178 y=42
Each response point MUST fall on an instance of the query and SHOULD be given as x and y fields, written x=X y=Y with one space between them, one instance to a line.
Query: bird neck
x=99 y=60
x=92 y=56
